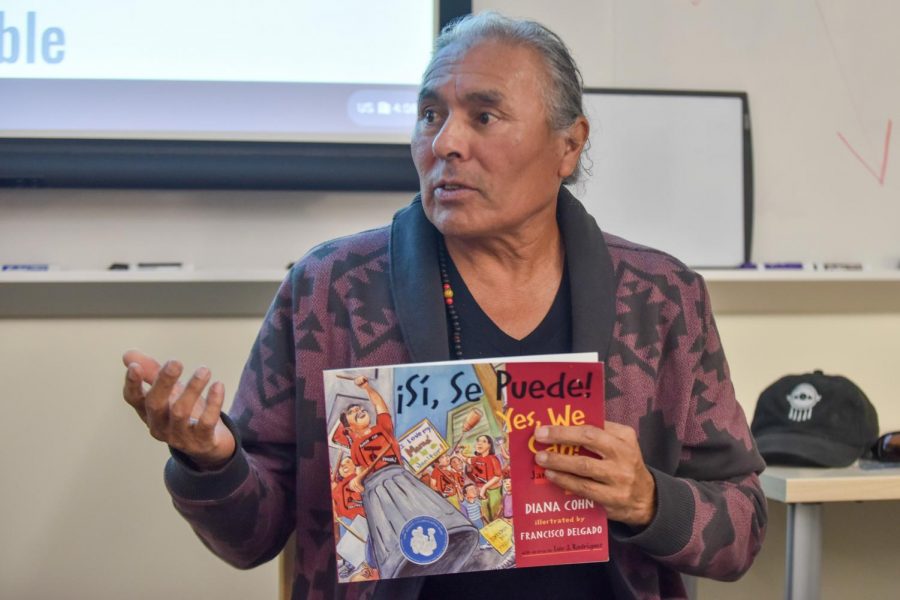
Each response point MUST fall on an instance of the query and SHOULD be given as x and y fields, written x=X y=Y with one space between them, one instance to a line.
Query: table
x=804 y=490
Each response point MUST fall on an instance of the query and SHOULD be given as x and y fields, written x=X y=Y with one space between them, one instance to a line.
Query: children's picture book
x=432 y=466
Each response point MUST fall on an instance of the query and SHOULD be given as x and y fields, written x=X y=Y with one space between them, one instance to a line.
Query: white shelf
x=276 y=275
x=248 y=292
x=145 y=276
x=159 y=293
x=803 y=292
x=804 y=276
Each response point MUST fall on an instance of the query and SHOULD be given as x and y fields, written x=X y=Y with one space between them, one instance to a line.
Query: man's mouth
x=448 y=190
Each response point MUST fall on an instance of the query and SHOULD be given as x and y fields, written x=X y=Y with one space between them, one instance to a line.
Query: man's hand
x=177 y=414
x=618 y=480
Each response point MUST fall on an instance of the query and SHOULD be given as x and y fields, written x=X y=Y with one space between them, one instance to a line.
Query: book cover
x=432 y=466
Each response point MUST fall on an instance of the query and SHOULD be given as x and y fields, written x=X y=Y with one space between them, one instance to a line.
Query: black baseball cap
x=814 y=420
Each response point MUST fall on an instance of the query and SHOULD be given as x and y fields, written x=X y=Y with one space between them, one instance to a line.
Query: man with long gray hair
x=500 y=129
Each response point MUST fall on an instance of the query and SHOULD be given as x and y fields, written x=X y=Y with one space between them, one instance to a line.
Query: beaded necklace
x=452 y=317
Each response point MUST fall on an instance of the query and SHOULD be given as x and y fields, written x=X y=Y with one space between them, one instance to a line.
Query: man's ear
x=575 y=137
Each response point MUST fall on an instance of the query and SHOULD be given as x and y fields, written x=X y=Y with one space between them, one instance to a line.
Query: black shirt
x=481 y=338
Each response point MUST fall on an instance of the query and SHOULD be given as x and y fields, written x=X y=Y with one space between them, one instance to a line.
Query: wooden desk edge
x=830 y=485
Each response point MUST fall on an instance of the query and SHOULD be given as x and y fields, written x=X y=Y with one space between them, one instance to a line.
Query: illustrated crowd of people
x=473 y=478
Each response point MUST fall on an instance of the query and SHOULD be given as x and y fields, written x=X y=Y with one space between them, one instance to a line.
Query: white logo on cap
x=802 y=400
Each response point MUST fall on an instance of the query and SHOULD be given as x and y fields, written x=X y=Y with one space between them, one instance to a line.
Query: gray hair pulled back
x=563 y=99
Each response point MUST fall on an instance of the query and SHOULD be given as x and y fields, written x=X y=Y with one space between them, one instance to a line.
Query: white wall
x=89 y=229
x=84 y=513
x=812 y=69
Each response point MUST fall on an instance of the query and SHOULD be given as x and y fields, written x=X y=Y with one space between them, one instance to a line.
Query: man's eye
x=428 y=115
x=485 y=118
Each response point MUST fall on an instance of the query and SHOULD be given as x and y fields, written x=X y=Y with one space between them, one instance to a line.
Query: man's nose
x=452 y=141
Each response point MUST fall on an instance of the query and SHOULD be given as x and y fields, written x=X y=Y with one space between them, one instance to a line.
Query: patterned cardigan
x=374 y=298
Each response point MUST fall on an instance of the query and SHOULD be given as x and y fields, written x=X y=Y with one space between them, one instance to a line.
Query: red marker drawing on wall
x=884 y=160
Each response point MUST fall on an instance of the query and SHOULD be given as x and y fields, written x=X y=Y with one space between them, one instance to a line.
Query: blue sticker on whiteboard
x=423 y=540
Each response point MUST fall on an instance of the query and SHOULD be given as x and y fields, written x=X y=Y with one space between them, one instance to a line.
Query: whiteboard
x=672 y=170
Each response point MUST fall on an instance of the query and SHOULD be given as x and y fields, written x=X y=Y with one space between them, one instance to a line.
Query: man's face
x=488 y=162
x=358 y=417
x=347 y=467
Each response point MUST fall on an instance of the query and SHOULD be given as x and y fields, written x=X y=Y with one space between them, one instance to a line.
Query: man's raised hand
x=178 y=414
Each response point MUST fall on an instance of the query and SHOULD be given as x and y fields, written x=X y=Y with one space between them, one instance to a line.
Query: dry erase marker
x=27 y=267
x=775 y=266
x=840 y=266
x=790 y=266
x=148 y=266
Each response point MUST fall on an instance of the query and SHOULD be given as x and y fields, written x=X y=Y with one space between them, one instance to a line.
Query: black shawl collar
x=416 y=282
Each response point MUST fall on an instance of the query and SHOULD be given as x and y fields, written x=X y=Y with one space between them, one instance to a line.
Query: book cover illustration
x=432 y=467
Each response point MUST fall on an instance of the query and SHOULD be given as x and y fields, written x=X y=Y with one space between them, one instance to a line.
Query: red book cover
x=553 y=526
x=433 y=471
